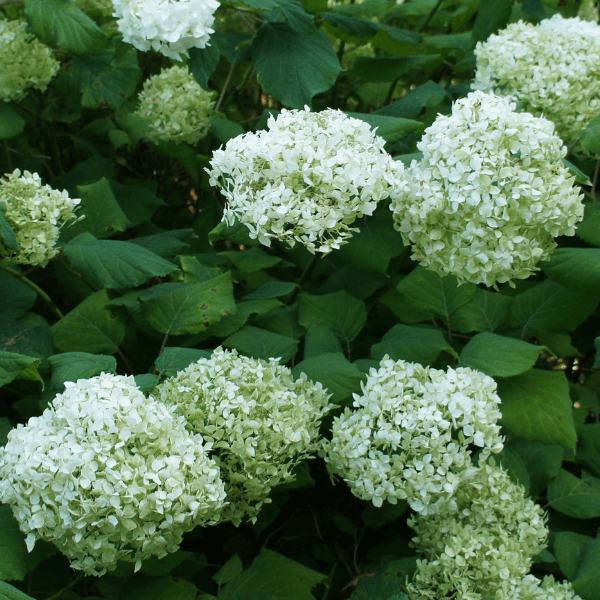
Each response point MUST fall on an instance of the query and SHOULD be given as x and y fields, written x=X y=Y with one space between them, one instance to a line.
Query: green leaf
x=389 y=68
x=376 y=517
x=252 y=259
x=499 y=356
x=588 y=451
x=203 y=63
x=231 y=323
x=60 y=23
x=572 y=496
x=31 y=336
x=224 y=129
x=386 y=585
x=492 y=16
x=231 y=569
x=426 y=290
x=320 y=340
x=340 y=311
x=413 y=344
x=587 y=582
x=7 y=235
x=484 y=312
x=167 y=244
x=138 y=200
x=391 y=129
x=11 y=122
x=548 y=307
x=274 y=576
x=580 y=177
x=146 y=382
x=90 y=327
x=17 y=298
x=179 y=308
x=173 y=360
x=114 y=264
x=17 y=366
x=14 y=558
x=237 y=233
x=409 y=107
x=335 y=372
x=103 y=216
x=357 y=30
x=513 y=464
x=536 y=406
x=575 y=268
x=569 y=548
x=260 y=343
x=590 y=137
x=293 y=67
x=108 y=76
x=345 y=525
x=589 y=229
x=272 y=289
x=375 y=245
x=283 y=320
x=72 y=366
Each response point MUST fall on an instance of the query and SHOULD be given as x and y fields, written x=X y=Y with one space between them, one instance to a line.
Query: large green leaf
x=413 y=344
x=115 y=264
x=272 y=289
x=357 y=30
x=590 y=137
x=588 y=450
x=340 y=311
x=203 y=63
x=536 y=406
x=138 y=200
x=320 y=340
x=569 y=548
x=499 y=356
x=389 y=68
x=11 y=122
x=71 y=366
x=484 y=312
x=260 y=343
x=293 y=67
x=587 y=582
x=492 y=16
x=428 y=94
x=575 y=268
x=589 y=229
x=252 y=259
x=17 y=298
x=60 y=23
x=109 y=76
x=391 y=129
x=13 y=551
x=173 y=360
x=179 y=308
x=17 y=366
x=572 y=496
x=244 y=310
x=90 y=327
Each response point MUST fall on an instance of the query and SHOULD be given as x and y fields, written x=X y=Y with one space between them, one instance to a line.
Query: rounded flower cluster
x=531 y=588
x=36 y=213
x=108 y=474
x=484 y=547
x=489 y=195
x=24 y=61
x=409 y=437
x=260 y=422
x=588 y=11
x=305 y=179
x=552 y=68
x=171 y=27
x=176 y=107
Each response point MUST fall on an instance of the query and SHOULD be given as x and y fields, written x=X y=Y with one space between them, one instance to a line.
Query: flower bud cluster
x=552 y=68
x=531 y=588
x=171 y=27
x=36 y=213
x=108 y=474
x=408 y=437
x=305 y=179
x=24 y=61
x=258 y=419
x=489 y=195
x=176 y=107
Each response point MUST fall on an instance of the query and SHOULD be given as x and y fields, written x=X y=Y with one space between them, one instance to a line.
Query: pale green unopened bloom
x=260 y=421
x=176 y=107
x=35 y=213
x=24 y=61
x=484 y=546
x=588 y=11
x=107 y=474
x=409 y=435
x=490 y=194
x=552 y=68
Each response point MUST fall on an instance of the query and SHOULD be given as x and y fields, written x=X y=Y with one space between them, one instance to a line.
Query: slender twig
x=390 y=92
x=595 y=180
x=38 y=290
x=572 y=147
x=431 y=15
x=28 y=153
x=225 y=86
x=248 y=24
x=67 y=587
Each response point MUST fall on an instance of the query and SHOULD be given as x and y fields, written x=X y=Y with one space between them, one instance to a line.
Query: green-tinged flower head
x=35 y=212
x=24 y=61
x=305 y=179
x=490 y=194
x=107 y=474
x=260 y=421
x=176 y=107
x=483 y=545
x=409 y=434
x=552 y=68
x=531 y=588
x=588 y=11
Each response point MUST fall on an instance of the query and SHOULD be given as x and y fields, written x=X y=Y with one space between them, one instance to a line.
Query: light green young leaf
x=72 y=366
x=572 y=496
x=9 y=592
x=260 y=343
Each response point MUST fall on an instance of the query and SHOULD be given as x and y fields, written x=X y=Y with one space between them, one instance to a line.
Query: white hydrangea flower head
x=108 y=474
x=36 y=213
x=482 y=547
x=260 y=421
x=490 y=194
x=305 y=179
x=409 y=435
x=24 y=61
x=170 y=27
x=531 y=588
x=588 y=11
x=175 y=106
x=553 y=69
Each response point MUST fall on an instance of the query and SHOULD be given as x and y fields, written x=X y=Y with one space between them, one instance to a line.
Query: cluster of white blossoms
x=259 y=420
x=305 y=179
x=552 y=68
x=107 y=474
x=489 y=195
x=176 y=107
x=482 y=548
x=409 y=435
x=531 y=588
x=171 y=27
x=36 y=213
x=24 y=61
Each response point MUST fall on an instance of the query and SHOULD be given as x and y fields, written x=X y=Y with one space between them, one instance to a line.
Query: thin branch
x=225 y=86
x=431 y=15
x=595 y=180
x=67 y=587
